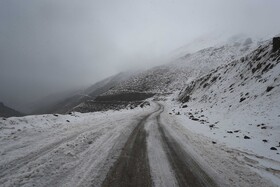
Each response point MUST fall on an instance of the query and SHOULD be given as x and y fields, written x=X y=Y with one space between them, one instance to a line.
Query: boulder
x=246 y=137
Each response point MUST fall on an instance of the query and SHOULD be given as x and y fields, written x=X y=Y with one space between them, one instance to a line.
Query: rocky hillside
x=164 y=79
x=252 y=78
x=168 y=78
x=67 y=105
x=173 y=76
x=238 y=103
x=8 y=112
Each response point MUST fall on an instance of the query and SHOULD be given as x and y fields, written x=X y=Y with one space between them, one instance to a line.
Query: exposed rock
x=273 y=148
x=185 y=99
x=276 y=44
x=184 y=106
x=195 y=119
x=246 y=137
x=269 y=88
x=242 y=99
x=89 y=142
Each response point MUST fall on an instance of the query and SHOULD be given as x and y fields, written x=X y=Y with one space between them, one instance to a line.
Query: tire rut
x=84 y=164
x=186 y=169
x=132 y=167
x=18 y=163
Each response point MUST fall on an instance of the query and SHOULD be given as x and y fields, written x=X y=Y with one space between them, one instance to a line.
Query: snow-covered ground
x=225 y=143
x=185 y=68
x=222 y=129
x=63 y=150
x=238 y=106
x=79 y=149
x=235 y=160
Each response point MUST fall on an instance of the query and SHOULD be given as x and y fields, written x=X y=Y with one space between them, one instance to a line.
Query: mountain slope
x=173 y=76
x=238 y=105
x=89 y=94
x=8 y=112
x=163 y=79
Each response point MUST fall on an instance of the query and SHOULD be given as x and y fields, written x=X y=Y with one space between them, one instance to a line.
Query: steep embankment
x=173 y=76
x=238 y=104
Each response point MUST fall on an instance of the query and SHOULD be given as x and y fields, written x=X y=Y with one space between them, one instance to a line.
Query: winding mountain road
x=135 y=149
x=132 y=167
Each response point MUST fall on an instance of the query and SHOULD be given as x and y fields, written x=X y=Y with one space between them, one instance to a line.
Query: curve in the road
x=132 y=167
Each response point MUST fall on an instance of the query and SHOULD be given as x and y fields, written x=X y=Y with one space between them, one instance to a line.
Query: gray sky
x=48 y=46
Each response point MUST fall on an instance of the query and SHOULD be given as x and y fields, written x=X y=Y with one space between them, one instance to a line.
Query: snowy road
x=140 y=147
x=63 y=150
x=133 y=167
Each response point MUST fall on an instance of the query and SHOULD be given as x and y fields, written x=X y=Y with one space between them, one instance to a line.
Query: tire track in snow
x=80 y=173
x=18 y=163
x=132 y=167
x=161 y=170
x=186 y=169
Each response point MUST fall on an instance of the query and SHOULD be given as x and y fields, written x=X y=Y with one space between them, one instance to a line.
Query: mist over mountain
x=48 y=47
x=145 y=93
x=6 y=111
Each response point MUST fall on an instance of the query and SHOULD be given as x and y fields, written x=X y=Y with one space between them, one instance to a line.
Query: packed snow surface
x=79 y=149
x=63 y=150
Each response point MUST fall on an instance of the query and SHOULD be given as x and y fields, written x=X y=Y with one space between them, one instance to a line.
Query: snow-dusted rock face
x=163 y=79
x=276 y=44
x=252 y=77
x=239 y=102
x=173 y=76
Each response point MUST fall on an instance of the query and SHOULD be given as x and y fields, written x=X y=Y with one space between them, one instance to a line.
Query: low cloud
x=52 y=46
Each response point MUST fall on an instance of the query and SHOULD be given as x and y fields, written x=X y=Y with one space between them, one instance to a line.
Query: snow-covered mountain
x=238 y=105
x=164 y=79
x=67 y=103
x=215 y=40
x=218 y=108
x=173 y=76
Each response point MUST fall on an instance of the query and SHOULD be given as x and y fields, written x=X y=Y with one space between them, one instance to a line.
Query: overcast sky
x=48 y=46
